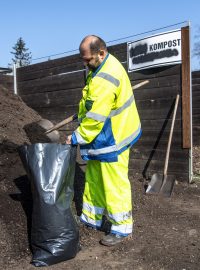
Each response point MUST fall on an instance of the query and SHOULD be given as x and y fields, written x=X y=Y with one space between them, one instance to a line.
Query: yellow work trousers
x=108 y=192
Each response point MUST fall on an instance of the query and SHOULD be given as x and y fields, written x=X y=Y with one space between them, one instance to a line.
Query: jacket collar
x=100 y=66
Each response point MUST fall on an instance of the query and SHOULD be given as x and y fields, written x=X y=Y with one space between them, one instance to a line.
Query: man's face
x=92 y=61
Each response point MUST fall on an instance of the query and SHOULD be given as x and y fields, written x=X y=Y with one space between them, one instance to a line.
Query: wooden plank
x=53 y=99
x=195 y=105
x=147 y=146
x=160 y=82
x=157 y=92
x=52 y=84
x=196 y=74
x=166 y=102
x=6 y=78
x=160 y=139
x=117 y=47
x=152 y=143
x=58 y=109
x=196 y=110
x=196 y=119
x=158 y=124
x=38 y=74
x=50 y=63
x=196 y=80
x=7 y=81
x=196 y=135
x=182 y=176
x=195 y=89
x=196 y=99
x=59 y=116
x=186 y=87
x=144 y=165
x=161 y=134
x=159 y=154
x=152 y=114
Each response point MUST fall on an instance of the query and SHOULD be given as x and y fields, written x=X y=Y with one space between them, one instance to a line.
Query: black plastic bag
x=54 y=232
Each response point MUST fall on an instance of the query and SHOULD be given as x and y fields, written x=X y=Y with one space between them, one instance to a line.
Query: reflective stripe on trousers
x=107 y=191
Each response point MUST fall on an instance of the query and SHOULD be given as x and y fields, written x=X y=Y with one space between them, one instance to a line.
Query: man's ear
x=102 y=54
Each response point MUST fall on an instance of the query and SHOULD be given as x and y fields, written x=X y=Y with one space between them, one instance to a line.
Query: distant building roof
x=5 y=70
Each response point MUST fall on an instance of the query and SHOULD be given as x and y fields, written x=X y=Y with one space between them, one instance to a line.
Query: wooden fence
x=7 y=82
x=196 y=107
x=53 y=89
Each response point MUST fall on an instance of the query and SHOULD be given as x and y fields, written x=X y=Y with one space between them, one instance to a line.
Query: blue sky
x=49 y=27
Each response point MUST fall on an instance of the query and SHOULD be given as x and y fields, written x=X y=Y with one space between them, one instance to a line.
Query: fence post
x=15 y=78
x=191 y=174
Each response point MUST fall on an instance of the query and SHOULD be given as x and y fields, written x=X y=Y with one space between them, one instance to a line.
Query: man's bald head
x=93 y=43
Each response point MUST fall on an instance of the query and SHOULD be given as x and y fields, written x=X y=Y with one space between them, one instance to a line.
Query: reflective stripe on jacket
x=109 y=120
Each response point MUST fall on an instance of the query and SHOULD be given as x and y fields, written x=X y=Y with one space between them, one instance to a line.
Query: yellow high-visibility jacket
x=109 y=120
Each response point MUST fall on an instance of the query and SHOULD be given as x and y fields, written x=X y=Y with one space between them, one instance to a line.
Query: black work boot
x=114 y=239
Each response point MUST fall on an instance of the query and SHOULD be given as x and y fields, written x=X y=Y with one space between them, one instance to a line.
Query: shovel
x=35 y=132
x=43 y=131
x=163 y=184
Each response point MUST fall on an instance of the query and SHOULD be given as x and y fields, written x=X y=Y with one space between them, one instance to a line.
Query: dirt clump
x=166 y=230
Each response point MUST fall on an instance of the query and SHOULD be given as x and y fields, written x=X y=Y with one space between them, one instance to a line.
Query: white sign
x=158 y=50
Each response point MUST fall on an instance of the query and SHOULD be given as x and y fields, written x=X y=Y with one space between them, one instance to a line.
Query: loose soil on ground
x=166 y=230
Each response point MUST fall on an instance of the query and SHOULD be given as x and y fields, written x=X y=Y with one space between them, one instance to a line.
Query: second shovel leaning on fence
x=163 y=184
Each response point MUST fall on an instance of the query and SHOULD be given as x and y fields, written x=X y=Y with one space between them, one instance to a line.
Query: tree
x=196 y=49
x=21 y=55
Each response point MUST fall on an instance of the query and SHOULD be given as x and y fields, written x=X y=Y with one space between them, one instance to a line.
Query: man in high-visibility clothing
x=109 y=126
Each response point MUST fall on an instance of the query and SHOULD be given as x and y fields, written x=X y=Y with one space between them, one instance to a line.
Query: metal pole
x=191 y=125
x=15 y=78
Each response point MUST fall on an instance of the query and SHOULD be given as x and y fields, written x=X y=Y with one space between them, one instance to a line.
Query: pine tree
x=196 y=49
x=21 y=55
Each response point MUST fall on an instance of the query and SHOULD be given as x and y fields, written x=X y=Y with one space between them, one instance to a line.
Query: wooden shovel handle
x=140 y=84
x=62 y=123
x=170 y=136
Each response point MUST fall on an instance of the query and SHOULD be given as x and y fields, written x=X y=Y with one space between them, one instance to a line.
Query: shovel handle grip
x=170 y=136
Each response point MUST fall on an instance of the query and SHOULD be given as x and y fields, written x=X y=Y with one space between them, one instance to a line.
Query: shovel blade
x=155 y=184
x=46 y=124
x=35 y=132
x=167 y=186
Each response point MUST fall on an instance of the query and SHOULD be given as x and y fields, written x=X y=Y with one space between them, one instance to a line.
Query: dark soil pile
x=14 y=115
x=166 y=231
